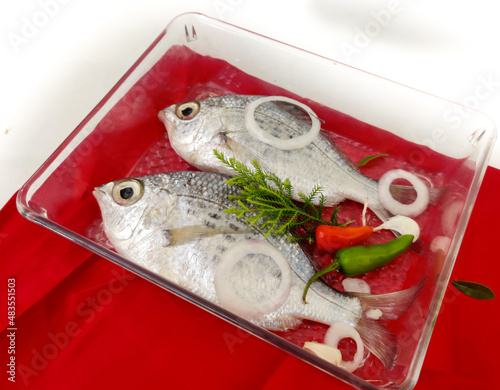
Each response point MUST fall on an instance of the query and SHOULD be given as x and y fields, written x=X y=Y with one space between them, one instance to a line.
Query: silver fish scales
x=174 y=225
x=196 y=128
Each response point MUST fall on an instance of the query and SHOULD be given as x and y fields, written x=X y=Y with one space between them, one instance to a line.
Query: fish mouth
x=162 y=116
x=166 y=115
x=98 y=192
x=101 y=191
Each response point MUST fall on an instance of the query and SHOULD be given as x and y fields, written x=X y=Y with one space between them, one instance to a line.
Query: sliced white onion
x=224 y=288
x=440 y=243
x=395 y=207
x=356 y=285
x=339 y=331
x=285 y=144
x=402 y=225
x=330 y=354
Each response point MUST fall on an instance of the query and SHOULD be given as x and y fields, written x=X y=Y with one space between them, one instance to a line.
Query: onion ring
x=284 y=144
x=395 y=207
x=339 y=331
x=236 y=303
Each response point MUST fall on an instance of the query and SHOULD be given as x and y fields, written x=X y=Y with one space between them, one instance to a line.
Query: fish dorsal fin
x=294 y=110
x=327 y=137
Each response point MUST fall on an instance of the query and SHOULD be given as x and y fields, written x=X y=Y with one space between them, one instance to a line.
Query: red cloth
x=85 y=323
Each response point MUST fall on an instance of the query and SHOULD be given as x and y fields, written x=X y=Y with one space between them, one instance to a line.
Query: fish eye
x=127 y=192
x=186 y=111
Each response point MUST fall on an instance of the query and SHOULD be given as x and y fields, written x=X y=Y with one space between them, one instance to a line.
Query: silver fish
x=196 y=128
x=174 y=225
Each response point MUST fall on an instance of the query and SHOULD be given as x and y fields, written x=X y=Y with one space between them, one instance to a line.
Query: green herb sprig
x=267 y=201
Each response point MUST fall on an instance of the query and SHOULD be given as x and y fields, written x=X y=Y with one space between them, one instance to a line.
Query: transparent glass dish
x=196 y=57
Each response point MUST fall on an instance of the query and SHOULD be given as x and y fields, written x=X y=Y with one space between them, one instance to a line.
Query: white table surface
x=58 y=58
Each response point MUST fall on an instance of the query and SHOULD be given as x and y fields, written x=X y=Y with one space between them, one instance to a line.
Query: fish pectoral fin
x=244 y=154
x=186 y=234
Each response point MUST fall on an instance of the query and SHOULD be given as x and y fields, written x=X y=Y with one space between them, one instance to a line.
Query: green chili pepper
x=357 y=260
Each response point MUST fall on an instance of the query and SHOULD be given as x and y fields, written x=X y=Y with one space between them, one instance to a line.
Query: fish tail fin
x=379 y=340
x=376 y=337
x=392 y=304
x=407 y=194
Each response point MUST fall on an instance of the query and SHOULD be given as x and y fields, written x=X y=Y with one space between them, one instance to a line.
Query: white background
x=58 y=58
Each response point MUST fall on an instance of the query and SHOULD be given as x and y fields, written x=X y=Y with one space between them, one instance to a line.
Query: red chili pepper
x=332 y=238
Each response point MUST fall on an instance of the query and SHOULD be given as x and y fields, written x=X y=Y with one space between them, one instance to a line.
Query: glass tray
x=197 y=57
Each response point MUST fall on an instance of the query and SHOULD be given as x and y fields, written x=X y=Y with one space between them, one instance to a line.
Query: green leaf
x=369 y=158
x=474 y=290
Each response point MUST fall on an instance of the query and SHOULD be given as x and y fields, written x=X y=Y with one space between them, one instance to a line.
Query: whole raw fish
x=174 y=225
x=196 y=128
